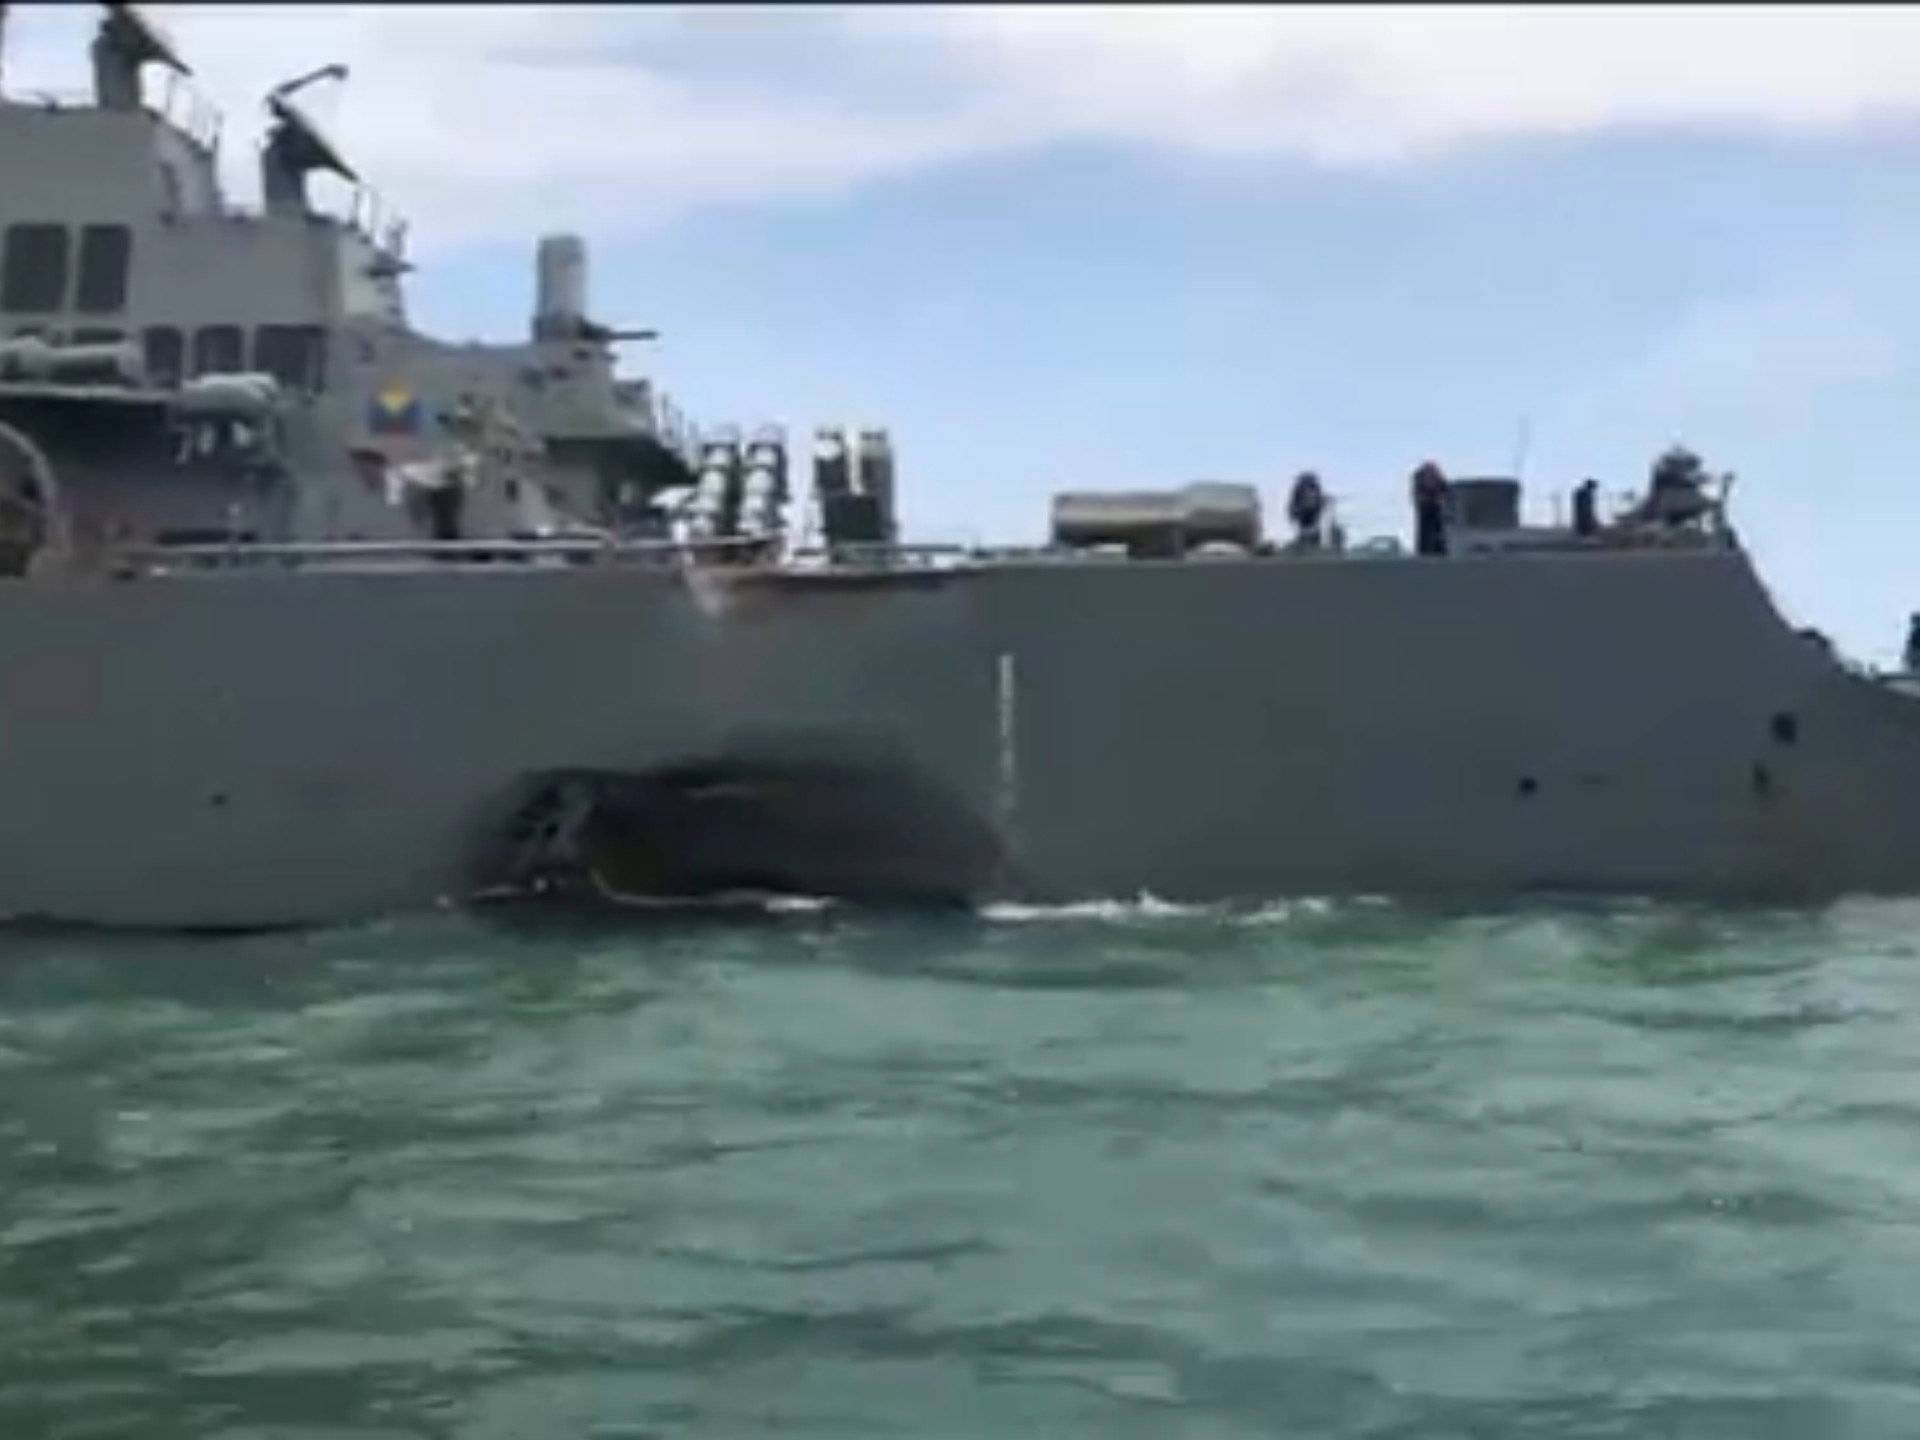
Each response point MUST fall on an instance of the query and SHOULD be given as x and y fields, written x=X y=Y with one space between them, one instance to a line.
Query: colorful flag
x=395 y=411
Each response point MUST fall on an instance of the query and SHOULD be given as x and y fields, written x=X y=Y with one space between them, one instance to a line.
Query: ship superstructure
x=196 y=371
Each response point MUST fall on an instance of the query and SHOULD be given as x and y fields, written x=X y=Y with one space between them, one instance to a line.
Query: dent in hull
x=768 y=823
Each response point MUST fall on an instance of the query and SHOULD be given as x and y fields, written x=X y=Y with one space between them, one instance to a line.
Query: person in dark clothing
x=1429 y=510
x=444 y=504
x=1586 y=521
x=1912 y=657
x=1304 y=507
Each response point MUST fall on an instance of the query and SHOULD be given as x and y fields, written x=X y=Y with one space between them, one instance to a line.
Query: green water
x=1318 y=1170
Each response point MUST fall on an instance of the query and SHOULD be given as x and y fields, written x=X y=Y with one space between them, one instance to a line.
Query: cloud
x=1364 y=84
x=611 y=118
x=1727 y=360
x=1817 y=357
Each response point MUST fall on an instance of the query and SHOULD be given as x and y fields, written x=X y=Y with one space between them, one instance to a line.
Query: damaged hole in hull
x=867 y=832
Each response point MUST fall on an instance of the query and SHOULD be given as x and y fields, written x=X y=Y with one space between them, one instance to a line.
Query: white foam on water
x=1142 y=907
x=1285 y=912
x=798 y=904
x=766 y=903
x=1310 y=907
x=1149 y=907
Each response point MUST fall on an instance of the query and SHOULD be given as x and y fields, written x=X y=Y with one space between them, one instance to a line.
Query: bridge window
x=217 y=350
x=295 y=355
x=166 y=353
x=33 y=274
x=104 y=253
x=98 y=335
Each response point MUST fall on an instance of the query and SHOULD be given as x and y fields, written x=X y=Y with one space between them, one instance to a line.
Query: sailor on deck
x=1430 y=510
x=1586 y=520
x=1305 y=506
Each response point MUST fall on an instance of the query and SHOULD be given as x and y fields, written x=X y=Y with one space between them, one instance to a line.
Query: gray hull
x=266 y=749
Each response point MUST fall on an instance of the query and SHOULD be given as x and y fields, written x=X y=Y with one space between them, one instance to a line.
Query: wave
x=1149 y=907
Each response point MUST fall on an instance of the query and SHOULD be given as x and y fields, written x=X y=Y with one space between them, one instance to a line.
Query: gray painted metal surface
x=260 y=748
x=319 y=717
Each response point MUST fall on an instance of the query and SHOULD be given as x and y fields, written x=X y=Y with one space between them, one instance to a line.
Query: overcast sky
x=1136 y=246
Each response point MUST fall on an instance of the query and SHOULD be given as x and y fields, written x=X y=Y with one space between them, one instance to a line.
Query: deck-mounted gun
x=560 y=299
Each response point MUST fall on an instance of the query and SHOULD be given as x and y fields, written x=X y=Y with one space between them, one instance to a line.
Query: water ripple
x=1341 y=1169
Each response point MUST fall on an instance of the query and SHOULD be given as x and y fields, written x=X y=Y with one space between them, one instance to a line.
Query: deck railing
x=323 y=553
x=727 y=553
x=182 y=105
x=179 y=103
x=736 y=552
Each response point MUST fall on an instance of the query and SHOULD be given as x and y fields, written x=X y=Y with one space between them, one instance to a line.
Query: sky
x=1082 y=247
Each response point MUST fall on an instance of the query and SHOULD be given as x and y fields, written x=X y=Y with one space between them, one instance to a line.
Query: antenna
x=324 y=72
x=143 y=37
x=1521 y=446
x=294 y=146
x=126 y=41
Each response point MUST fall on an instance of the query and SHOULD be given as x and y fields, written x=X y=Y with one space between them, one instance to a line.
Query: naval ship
x=307 y=615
